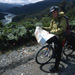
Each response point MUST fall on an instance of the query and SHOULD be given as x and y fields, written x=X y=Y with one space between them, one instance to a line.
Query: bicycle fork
x=47 y=51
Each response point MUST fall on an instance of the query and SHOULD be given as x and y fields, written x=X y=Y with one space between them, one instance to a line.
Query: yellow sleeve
x=61 y=28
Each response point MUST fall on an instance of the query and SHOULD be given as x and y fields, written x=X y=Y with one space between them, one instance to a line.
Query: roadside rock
x=21 y=55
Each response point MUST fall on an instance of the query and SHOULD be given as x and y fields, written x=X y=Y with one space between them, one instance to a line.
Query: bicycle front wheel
x=44 y=55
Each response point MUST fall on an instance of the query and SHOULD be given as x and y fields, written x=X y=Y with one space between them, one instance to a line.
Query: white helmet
x=53 y=8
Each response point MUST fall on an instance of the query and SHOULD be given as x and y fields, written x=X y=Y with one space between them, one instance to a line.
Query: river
x=8 y=18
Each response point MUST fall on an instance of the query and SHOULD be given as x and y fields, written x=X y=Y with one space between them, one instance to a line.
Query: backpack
x=68 y=29
x=68 y=26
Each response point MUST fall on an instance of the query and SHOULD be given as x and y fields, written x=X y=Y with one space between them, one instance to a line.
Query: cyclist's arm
x=60 y=29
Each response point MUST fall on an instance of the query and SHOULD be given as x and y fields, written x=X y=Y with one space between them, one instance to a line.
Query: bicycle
x=46 y=53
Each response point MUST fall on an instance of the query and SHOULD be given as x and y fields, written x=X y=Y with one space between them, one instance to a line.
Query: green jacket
x=58 y=26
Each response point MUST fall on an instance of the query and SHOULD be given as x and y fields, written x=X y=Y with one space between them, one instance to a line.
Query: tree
x=63 y=5
x=1 y=25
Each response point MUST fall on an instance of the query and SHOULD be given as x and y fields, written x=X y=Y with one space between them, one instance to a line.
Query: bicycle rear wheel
x=68 y=50
x=44 y=55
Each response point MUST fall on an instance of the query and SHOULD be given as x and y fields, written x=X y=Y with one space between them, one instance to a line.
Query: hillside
x=2 y=16
x=67 y=7
x=6 y=6
x=33 y=7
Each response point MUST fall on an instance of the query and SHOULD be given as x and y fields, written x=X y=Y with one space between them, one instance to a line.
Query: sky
x=20 y=1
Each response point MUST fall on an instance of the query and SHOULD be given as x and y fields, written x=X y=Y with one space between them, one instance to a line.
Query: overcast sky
x=20 y=1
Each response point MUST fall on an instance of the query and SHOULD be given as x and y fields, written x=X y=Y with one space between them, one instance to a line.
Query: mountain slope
x=32 y=7
x=2 y=16
x=6 y=6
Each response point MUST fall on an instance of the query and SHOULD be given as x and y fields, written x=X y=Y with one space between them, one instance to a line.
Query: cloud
x=33 y=1
x=20 y=1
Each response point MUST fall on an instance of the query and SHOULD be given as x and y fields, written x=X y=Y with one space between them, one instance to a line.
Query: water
x=8 y=18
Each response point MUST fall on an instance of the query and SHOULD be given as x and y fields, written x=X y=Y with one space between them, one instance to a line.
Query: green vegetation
x=21 y=30
x=13 y=34
x=2 y=16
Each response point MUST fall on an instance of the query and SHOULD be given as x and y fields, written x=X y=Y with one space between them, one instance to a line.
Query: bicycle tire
x=41 y=56
x=68 y=50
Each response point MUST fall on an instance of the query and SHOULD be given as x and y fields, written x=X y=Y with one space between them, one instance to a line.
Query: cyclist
x=58 y=27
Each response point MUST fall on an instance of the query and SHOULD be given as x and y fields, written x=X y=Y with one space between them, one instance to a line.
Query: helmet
x=53 y=8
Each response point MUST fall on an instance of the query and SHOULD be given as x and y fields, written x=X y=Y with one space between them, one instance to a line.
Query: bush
x=11 y=33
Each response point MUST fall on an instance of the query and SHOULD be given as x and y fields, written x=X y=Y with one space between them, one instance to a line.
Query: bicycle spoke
x=43 y=55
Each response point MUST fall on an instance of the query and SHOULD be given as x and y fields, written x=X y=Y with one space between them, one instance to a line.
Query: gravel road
x=22 y=62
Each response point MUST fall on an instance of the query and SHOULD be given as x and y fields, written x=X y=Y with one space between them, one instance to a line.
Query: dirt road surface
x=26 y=65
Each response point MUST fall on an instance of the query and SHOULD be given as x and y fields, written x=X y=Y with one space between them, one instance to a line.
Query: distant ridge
x=6 y=6
x=30 y=8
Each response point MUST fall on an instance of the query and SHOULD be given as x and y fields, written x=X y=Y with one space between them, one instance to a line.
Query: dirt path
x=22 y=62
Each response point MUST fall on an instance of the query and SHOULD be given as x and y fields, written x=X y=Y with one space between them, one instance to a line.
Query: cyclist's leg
x=58 y=51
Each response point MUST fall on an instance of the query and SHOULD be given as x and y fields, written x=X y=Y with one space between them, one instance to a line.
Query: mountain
x=58 y=0
x=6 y=6
x=30 y=8
x=2 y=16
x=1 y=10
